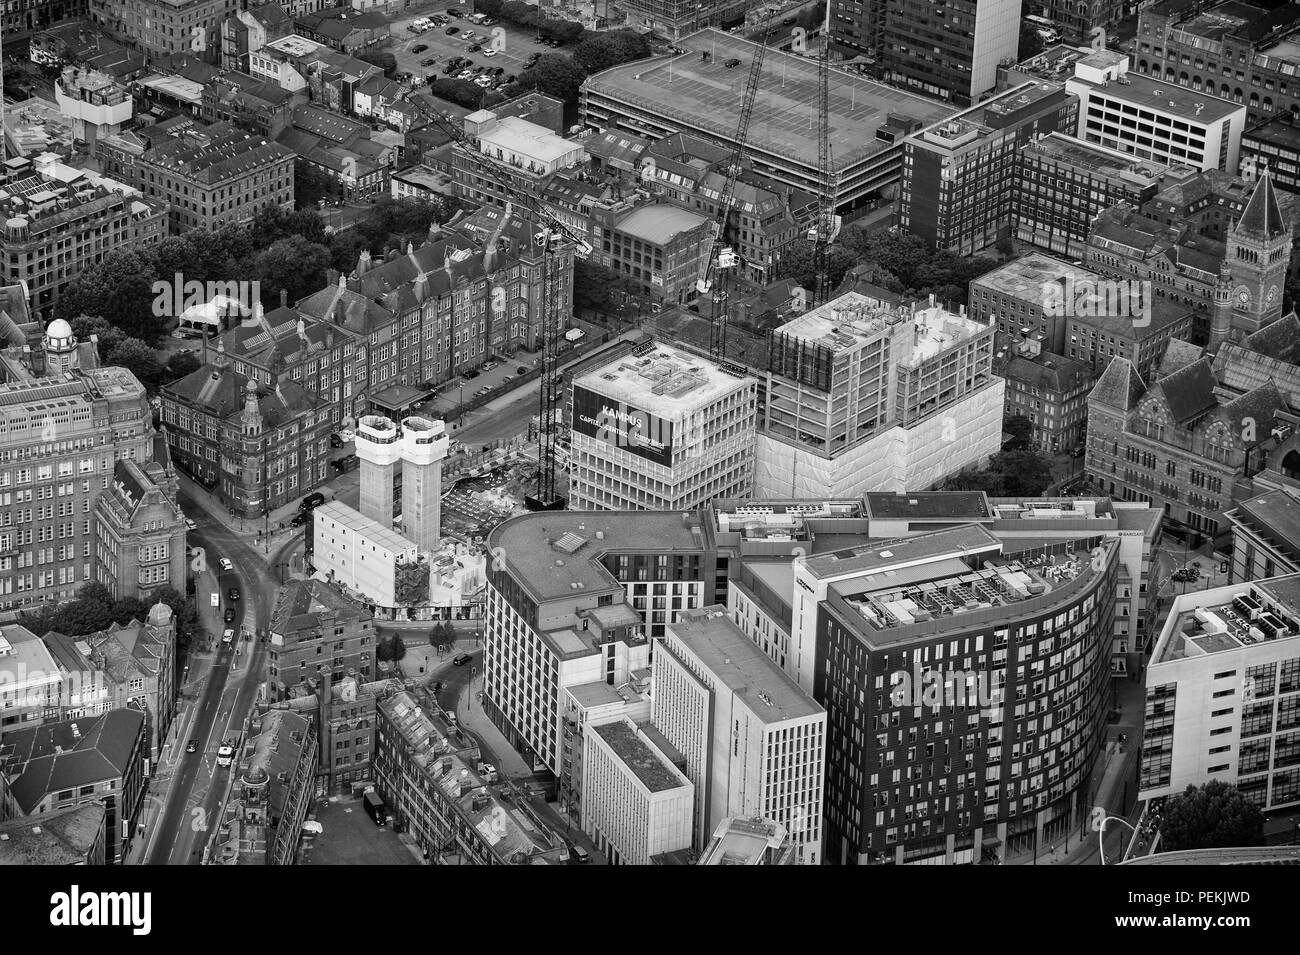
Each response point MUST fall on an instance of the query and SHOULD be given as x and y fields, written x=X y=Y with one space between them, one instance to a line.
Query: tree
x=1213 y=816
x=380 y=58
x=84 y=326
x=179 y=365
x=126 y=609
x=311 y=185
x=461 y=92
x=120 y=290
x=295 y=264
x=600 y=51
x=1025 y=473
x=556 y=75
x=797 y=264
x=1030 y=44
x=598 y=288
x=1021 y=430
x=140 y=359
x=397 y=648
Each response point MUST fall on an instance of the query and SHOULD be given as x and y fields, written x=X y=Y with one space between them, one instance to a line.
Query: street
x=195 y=792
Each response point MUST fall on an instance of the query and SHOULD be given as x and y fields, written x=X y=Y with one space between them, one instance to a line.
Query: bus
x=1045 y=28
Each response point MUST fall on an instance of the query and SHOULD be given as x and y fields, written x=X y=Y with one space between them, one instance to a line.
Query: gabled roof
x=53 y=757
x=1119 y=386
x=1280 y=340
x=1189 y=391
x=1178 y=354
x=1259 y=406
x=1263 y=217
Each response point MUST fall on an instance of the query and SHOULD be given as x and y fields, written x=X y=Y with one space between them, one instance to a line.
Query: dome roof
x=58 y=329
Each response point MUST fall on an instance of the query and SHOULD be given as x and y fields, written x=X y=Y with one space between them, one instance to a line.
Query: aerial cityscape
x=642 y=433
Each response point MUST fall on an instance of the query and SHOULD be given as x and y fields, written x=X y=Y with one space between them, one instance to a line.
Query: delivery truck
x=376 y=809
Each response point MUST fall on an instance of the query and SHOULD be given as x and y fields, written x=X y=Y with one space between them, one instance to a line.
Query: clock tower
x=1258 y=253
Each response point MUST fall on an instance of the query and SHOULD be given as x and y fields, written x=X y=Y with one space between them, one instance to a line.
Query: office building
x=59 y=222
x=573 y=599
x=863 y=396
x=1063 y=183
x=960 y=176
x=71 y=763
x=1221 y=694
x=694 y=93
x=66 y=436
x=947 y=611
x=209 y=176
x=160 y=28
x=749 y=842
x=661 y=249
x=1153 y=119
x=636 y=803
x=1237 y=51
x=1078 y=313
x=661 y=430
x=948 y=52
x=438 y=795
x=318 y=640
x=1274 y=143
x=753 y=742
x=587 y=705
x=275 y=782
x=140 y=529
x=73 y=836
x=526 y=151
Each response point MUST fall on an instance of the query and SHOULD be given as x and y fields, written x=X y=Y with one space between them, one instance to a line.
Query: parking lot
x=519 y=45
x=350 y=838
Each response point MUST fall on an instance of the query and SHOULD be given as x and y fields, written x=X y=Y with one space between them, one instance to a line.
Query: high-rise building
x=575 y=597
x=1222 y=691
x=966 y=691
x=948 y=50
x=749 y=842
x=419 y=445
x=960 y=177
x=661 y=430
x=754 y=743
x=862 y=396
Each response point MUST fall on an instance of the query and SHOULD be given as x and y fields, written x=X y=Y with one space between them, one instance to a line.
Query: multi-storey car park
x=694 y=92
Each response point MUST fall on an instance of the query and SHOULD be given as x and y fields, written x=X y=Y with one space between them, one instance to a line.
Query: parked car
x=489 y=52
x=483 y=81
x=453 y=12
x=450 y=68
x=521 y=370
x=451 y=31
x=429 y=61
x=190 y=525
x=734 y=61
x=580 y=855
x=461 y=659
x=464 y=74
x=419 y=48
x=472 y=373
x=347 y=434
x=336 y=441
x=315 y=499
x=345 y=463
x=226 y=565
x=507 y=378
x=489 y=365
x=298 y=519
x=532 y=60
x=474 y=48
x=488 y=21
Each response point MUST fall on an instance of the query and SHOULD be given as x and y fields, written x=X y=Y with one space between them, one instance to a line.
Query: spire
x=1263 y=216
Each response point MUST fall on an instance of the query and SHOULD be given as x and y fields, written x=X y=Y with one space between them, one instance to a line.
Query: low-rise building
x=660 y=247
x=74 y=762
x=1050 y=390
x=366 y=559
x=318 y=639
x=140 y=529
x=72 y=836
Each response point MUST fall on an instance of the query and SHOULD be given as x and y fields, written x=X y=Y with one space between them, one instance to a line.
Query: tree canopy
x=1213 y=816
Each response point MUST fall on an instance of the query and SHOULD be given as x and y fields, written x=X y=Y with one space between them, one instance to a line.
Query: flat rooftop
x=853 y=320
x=1095 y=158
x=658 y=224
x=684 y=89
x=880 y=555
x=519 y=135
x=600 y=693
x=740 y=665
x=1276 y=133
x=549 y=552
x=1221 y=20
x=1025 y=277
x=363 y=526
x=1232 y=618
x=742 y=842
x=1277 y=514
x=646 y=763
x=930 y=505
x=667 y=382
x=1149 y=93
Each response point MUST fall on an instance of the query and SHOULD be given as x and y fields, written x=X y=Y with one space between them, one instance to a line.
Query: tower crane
x=723 y=257
x=828 y=224
x=551 y=236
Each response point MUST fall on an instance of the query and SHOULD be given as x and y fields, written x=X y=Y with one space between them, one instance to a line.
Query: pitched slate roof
x=1119 y=386
x=61 y=837
x=1178 y=354
x=1259 y=407
x=53 y=757
x=1280 y=340
x=1263 y=217
x=1189 y=391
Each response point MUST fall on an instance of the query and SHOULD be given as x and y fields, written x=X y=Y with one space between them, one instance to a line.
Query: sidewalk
x=249 y=529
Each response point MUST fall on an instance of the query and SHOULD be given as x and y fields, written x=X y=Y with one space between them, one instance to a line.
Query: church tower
x=1258 y=253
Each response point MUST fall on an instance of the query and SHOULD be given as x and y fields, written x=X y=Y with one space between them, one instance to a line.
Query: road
x=196 y=793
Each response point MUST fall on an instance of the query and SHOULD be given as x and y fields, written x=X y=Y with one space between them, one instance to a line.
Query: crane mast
x=552 y=234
